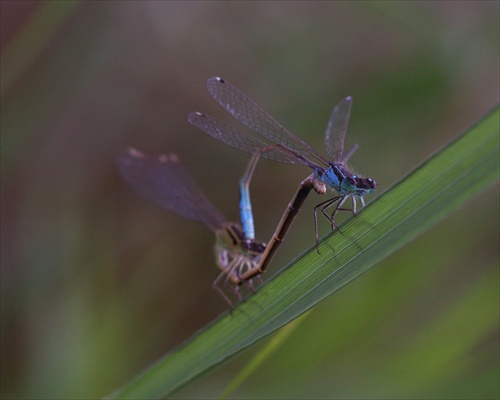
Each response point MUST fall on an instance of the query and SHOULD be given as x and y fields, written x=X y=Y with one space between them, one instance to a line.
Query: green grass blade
x=432 y=191
x=273 y=344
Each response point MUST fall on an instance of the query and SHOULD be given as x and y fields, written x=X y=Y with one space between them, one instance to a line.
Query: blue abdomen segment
x=246 y=212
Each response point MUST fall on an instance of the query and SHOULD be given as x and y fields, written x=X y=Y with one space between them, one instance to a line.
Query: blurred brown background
x=97 y=284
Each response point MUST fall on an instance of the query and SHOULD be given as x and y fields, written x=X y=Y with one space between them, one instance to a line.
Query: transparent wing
x=243 y=140
x=336 y=129
x=245 y=110
x=164 y=182
x=349 y=153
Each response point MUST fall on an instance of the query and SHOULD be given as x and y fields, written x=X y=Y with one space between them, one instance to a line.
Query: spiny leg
x=352 y=210
x=231 y=272
x=246 y=265
x=328 y=203
x=215 y=285
x=324 y=205
x=341 y=203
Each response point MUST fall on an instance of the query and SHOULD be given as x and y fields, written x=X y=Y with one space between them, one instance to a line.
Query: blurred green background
x=96 y=284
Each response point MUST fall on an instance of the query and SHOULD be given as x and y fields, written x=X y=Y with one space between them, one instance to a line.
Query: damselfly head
x=234 y=238
x=357 y=185
x=365 y=186
x=254 y=246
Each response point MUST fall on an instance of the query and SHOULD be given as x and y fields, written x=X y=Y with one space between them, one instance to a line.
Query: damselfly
x=271 y=140
x=164 y=182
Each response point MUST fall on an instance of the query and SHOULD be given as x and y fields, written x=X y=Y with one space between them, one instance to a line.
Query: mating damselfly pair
x=239 y=256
